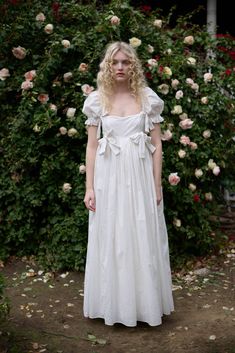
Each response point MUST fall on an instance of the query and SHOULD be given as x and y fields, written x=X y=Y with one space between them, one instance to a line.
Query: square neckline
x=122 y=117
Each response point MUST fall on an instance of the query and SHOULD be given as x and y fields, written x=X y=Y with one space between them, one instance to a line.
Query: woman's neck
x=121 y=87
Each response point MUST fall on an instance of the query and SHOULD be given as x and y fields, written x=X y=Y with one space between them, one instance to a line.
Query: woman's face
x=120 y=67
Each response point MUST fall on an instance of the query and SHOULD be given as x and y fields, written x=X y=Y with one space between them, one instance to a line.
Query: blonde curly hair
x=105 y=81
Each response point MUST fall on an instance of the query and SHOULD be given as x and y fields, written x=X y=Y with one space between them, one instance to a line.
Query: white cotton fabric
x=127 y=275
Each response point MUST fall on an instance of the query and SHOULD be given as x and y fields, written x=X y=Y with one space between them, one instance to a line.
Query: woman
x=127 y=276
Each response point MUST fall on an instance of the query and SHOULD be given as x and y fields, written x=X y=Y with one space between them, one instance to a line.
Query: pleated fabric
x=127 y=275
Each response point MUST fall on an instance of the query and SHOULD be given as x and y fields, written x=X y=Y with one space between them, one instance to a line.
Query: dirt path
x=46 y=314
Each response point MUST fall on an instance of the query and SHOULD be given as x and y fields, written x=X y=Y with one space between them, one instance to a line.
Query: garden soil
x=46 y=313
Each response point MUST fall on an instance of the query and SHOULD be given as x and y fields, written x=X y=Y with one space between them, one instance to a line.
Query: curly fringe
x=105 y=82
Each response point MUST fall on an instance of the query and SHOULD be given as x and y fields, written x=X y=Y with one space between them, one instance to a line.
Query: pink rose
x=174 y=179
x=166 y=136
x=185 y=140
x=63 y=130
x=174 y=83
x=19 y=52
x=30 y=75
x=115 y=21
x=216 y=170
x=67 y=76
x=43 y=98
x=26 y=85
x=87 y=89
x=193 y=145
x=49 y=28
x=83 y=67
x=186 y=124
x=207 y=77
x=40 y=17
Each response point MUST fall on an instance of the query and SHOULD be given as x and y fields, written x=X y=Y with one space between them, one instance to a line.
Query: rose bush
x=48 y=64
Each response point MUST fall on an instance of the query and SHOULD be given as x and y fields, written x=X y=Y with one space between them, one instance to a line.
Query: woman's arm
x=157 y=160
x=91 y=148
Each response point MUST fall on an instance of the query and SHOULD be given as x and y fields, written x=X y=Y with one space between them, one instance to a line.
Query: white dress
x=127 y=275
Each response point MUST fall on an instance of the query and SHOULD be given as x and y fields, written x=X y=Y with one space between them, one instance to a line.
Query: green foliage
x=4 y=302
x=37 y=158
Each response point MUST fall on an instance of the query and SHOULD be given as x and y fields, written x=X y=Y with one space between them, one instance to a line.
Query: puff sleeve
x=153 y=108
x=92 y=109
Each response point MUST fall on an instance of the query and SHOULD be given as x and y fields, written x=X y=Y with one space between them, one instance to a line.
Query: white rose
x=87 y=89
x=198 y=173
x=163 y=88
x=181 y=153
x=167 y=71
x=211 y=164
x=204 y=100
x=36 y=128
x=65 y=43
x=158 y=23
x=179 y=94
x=66 y=188
x=135 y=42
x=82 y=169
x=206 y=134
x=177 y=222
x=195 y=87
x=168 y=51
x=67 y=76
x=63 y=130
x=70 y=112
x=189 y=81
x=53 y=107
x=191 y=61
x=186 y=124
x=207 y=77
x=152 y=63
x=189 y=40
x=4 y=73
x=166 y=135
x=115 y=21
x=150 y=49
x=177 y=110
x=72 y=132
x=40 y=17
x=192 y=187
x=49 y=28
x=193 y=145
x=183 y=116
x=208 y=196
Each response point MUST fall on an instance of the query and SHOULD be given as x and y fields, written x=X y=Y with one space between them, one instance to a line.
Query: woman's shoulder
x=150 y=93
x=92 y=104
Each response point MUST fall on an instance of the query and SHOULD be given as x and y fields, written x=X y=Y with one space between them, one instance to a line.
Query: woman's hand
x=89 y=200
x=159 y=194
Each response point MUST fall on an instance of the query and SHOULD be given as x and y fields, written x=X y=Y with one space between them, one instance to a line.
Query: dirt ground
x=46 y=313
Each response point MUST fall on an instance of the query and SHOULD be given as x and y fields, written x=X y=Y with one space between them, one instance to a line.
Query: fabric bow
x=108 y=139
x=143 y=141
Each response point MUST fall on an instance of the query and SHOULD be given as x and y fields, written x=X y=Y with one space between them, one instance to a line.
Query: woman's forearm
x=157 y=165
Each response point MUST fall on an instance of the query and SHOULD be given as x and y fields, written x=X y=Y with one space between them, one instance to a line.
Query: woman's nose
x=120 y=65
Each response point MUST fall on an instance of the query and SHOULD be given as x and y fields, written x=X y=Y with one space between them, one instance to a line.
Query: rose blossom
x=83 y=67
x=163 y=88
x=191 y=61
x=207 y=77
x=168 y=51
x=87 y=89
x=181 y=153
x=193 y=145
x=198 y=173
x=67 y=76
x=177 y=109
x=43 y=98
x=195 y=86
x=72 y=132
x=63 y=130
x=166 y=136
x=40 y=17
x=30 y=75
x=189 y=40
x=150 y=49
x=115 y=21
x=174 y=179
x=49 y=28
x=206 y=134
x=26 y=85
x=167 y=71
x=65 y=43
x=204 y=100
x=4 y=73
x=135 y=42
x=19 y=52
x=185 y=140
x=82 y=169
x=216 y=170
x=177 y=222
x=36 y=128
x=179 y=94
x=189 y=81
x=183 y=116
x=53 y=107
x=158 y=23
x=192 y=187
x=66 y=188
x=152 y=63
x=70 y=112
x=208 y=196
x=186 y=124
x=211 y=164
x=174 y=83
